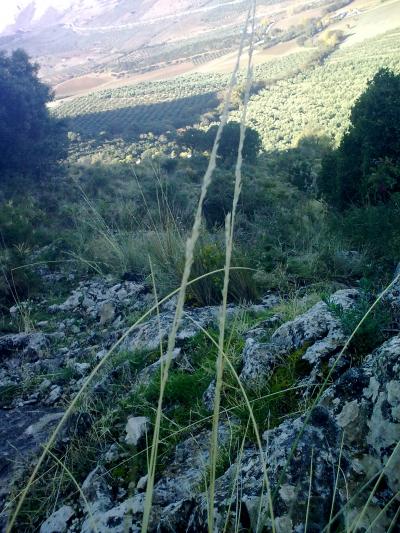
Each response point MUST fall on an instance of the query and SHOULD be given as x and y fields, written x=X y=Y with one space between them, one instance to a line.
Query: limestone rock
x=101 y=299
x=365 y=402
x=23 y=431
x=317 y=331
x=115 y=520
x=58 y=521
x=29 y=346
x=96 y=491
x=180 y=482
x=317 y=448
x=136 y=428
x=54 y=396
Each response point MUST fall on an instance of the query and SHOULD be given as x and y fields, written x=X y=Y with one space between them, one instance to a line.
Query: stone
x=107 y=313
x=23 y=431
x=142 y=483
x=29 y=346
x=99 y=299
x=96 y=491
x=208 y=397
x=364 y=400
x=136 y=428
x=115 y=520
x=58 y=522
x=82 y=368
x=317 y=331
x=348 y=414
x=54 y=396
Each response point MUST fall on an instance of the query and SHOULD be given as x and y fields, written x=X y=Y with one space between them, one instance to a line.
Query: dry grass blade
x=79 y=488
x=309 y=492
x=189 y=258
x=230 y=223
x=359 y=518
x=394 y=522
x=381 y=513
x=336 y=481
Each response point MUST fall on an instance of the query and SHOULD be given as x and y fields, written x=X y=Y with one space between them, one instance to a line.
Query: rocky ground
x=332 y=457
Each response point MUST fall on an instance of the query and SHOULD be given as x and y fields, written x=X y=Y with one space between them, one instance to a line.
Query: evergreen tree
x=30 y=139
x=229 y=143
x=365 y=169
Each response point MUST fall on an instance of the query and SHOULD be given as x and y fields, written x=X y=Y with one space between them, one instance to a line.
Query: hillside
x=319 y=105
x=82 y=46
x=200 y=321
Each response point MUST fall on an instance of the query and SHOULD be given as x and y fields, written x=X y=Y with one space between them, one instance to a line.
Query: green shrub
x=373 y=331
x=374 y=229
x=17 y=280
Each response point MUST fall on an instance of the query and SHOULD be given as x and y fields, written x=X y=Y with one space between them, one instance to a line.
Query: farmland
x=150 y=106
x=318 y=102
x=302 y=97
x=161 y=105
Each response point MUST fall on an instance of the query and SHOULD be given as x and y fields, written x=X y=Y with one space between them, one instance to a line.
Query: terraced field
x=161 y=105
x=303 y=99
x=318 y=101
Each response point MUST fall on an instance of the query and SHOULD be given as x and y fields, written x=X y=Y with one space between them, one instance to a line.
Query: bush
x=372 y=332
x=168 y=261
x=229 y=144
x=17 y=280
x=374 y=229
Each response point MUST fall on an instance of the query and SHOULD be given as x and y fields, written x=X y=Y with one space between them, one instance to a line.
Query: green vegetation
x=318 y=101
x=365 y=169
x=127 y=199
x=149 y=106
x=361 y=178
x=30 y=140
x=199 y=140
x=124 y=204
x=373 y=331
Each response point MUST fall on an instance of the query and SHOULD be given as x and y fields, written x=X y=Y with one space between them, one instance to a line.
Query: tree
x=365 y=169
x=30 y=139
x=229 y=143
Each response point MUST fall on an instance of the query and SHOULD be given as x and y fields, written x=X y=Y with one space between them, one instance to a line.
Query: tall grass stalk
x=309 y=491
x=189 y=258
x=229 y=228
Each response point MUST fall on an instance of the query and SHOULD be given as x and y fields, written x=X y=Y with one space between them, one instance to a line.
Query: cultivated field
x=318 y=102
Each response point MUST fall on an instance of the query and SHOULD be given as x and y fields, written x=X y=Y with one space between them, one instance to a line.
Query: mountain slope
x=74 y=37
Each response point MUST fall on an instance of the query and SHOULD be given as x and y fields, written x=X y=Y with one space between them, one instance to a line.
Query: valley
x=200 y=266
